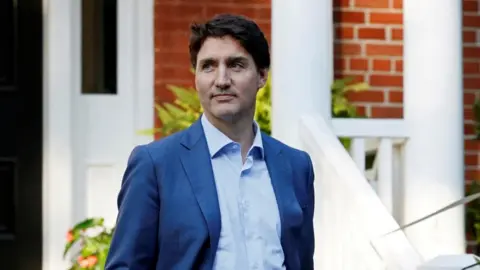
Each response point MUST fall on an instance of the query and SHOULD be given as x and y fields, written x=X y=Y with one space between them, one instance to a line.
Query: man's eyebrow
x=237 y=58
x=206 y=60
x=210 y=60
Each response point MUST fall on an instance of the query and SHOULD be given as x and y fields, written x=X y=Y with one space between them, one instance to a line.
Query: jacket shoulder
x=163 y=147
x=288 y=150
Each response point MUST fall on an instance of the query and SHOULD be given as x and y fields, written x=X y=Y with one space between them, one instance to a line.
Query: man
x=220 y=194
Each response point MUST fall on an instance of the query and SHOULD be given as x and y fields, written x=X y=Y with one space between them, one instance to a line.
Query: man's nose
x=223 y=80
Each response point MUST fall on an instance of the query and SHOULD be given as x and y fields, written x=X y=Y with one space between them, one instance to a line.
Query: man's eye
x=237 y=65
x=206 y=66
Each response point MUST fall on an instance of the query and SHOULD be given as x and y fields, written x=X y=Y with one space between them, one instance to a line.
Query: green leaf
x=357 y=87
x=173 y=110
x=185 y=95
x=164 y=115
x=88 y=223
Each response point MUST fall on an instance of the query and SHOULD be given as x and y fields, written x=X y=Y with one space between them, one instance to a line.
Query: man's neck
x=239 y=130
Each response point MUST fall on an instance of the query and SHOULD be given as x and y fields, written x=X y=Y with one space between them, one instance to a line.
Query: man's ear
x=263 y=76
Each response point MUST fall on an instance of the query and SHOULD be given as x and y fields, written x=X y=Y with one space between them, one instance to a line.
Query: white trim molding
x=57 y=130
x=69 y=122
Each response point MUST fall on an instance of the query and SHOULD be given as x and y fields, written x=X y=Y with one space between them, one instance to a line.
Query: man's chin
x=227 y=115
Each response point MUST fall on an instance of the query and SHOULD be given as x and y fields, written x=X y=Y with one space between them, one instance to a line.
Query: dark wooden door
x=21 y=134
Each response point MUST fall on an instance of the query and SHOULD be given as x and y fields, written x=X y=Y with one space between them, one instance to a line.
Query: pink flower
x=70 y=237
x=88 y=261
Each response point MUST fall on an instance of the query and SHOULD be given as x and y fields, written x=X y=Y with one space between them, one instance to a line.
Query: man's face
x=227 y=79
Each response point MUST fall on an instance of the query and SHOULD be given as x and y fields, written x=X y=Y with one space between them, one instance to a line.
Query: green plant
x=472 y=216
x=186 y=107
x=476 y=116
x=87 y=244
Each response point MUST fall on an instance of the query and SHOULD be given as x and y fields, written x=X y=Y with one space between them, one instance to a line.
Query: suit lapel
x=281 y=176
x=197 y=165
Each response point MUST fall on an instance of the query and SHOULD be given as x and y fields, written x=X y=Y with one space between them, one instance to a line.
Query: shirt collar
x=217 y=141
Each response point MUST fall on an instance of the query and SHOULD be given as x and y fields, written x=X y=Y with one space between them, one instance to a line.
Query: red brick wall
x=471 y=81
x=368 y=45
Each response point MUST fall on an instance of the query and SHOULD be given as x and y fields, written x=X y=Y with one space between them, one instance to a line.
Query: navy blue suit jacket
x=169 y=216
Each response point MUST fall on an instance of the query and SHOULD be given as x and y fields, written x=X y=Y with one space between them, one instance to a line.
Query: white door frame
x=62 y=102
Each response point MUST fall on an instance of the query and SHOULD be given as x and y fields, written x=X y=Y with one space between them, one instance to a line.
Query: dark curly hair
x=244 y=30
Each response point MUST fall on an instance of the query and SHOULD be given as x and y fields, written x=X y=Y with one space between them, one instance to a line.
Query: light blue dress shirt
x=250 y=234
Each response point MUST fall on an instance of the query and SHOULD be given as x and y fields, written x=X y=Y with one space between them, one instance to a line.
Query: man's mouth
x=224 y=97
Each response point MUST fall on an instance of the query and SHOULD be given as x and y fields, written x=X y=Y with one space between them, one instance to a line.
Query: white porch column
x=433 y=104
x=302 y=64
x=58 y=176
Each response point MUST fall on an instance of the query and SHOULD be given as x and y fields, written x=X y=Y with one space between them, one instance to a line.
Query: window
x=99 y=46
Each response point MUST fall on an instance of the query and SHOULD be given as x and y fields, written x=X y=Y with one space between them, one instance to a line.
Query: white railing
x=350 y=219
x=384 y=139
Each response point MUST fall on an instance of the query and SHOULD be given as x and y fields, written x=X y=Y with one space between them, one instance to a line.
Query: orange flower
x=88 y=261
x=70 y=236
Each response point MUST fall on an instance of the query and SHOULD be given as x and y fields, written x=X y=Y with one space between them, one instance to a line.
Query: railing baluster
x=357 y=151
x=385 y=173
x=397 y=183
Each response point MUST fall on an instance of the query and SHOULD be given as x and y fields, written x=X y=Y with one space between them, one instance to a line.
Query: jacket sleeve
x=134 y=243
x=308 y=235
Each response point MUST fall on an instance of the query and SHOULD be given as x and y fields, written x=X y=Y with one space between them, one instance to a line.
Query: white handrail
x=352 y=127
x=349 y=217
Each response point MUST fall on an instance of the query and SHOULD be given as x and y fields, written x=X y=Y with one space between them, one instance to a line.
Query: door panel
x=21 y=134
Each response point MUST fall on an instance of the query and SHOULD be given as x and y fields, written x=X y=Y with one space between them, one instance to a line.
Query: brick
x=384 y=50
x=344 y=32
x=471 y=67
x=360 y=64
x=386 y=80
x=382 y=65
x=361 y=110
x=395 y=96
x=471 y=52
x=172 y=25
x=371 y=33
x=471 y=83
x=468 y=129
x=386 y=112
x=339 y=63
x=469 y=36
x=468 y=114
x=347 y=49
x=398 y=4
x=256 y=13
x=472 y=174
x=397 y=34
x=470 y=5
x=162 y=58
x=366 y=96
x=399 y=65
x=349 y=16
x=471 y=145
x=190 y=11
x=341 y=3
x=471 y=20
x=354 y=76
x=468 y=98
x=386 y=18
x=174 y=72
x=472 y=159
x=172 y=42
x=371 y=3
